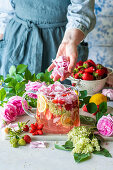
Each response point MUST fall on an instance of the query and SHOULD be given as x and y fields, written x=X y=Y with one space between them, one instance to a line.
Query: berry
x=85 y=108
x=90 y=70
x=76 y=76
x=48 y=115
x=27 y=138
x=69 y=106
x=22 y=142
x=87 y=76
x=80 y=63
x=33 y=126
x=100 y=72
x=40 y=126
x=86 y=64
x=14 y=142
x=99 y=66
x=55 y=101
x=40 y=132
x=26 y=128
x=32 y=131
x=73 y=84
x=106 y=70
x=91 y=62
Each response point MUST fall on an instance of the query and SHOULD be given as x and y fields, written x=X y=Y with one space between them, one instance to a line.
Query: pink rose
x=108 y=93
x=33 y=86
x=17 y=102
x=61 y=66
x=8 y=113
x=105 y=125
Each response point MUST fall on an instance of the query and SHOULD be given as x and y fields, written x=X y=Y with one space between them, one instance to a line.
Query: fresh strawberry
x=85 y=108
x=87 y=76
x=90 y=69
x=76 y=76
x=69 y=106
x=91 y=62
x=80 y=68
x=80 y=72
x=73 y=84
x=55 y=101
x=40 y=132
x=86 y=64
x=27 y=138
x=26 y=128
x=48 y=115
x=32 y=131
x=33 y=126
x=99 y=66
x=80 y=63
x=100 y=72
x=40 y=127
x=106 y=70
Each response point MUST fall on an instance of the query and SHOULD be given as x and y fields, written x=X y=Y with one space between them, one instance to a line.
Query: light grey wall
x=101 y=38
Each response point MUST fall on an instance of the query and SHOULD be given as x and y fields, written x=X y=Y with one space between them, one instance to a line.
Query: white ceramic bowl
x=92 y=86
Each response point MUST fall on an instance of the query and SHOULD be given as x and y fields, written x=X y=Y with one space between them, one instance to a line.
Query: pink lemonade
x=57 y=108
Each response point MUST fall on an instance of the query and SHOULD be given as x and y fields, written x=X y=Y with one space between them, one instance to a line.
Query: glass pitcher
x=58 y=115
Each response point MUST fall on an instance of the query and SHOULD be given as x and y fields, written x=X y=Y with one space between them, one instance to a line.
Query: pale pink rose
x=105 y=125
x=61 y=66
x=17 y=102
x=8 y=112
x=33 y=86
x=108 y=93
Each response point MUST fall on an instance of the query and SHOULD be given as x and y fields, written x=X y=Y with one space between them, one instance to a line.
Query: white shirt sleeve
x=6 y=13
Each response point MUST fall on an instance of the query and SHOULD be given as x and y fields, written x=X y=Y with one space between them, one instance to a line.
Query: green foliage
x=87 y=120
x=15 y=81
x=81 y=157
x=103 y=152
x=91 y=107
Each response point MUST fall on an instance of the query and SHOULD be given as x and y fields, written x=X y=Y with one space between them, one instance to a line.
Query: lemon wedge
x=41 y=103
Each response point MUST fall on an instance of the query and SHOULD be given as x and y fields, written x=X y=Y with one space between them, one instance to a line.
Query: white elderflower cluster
x=81 y=141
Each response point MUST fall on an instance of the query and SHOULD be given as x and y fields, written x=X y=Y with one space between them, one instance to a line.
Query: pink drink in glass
x=62 y=111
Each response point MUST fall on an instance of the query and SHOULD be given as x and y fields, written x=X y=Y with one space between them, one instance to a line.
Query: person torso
x=48 y=11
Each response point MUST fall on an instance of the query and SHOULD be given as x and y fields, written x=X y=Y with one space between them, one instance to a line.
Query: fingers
x=51 y=67
x=63 y=78
x=72 y=64
x=56 y=78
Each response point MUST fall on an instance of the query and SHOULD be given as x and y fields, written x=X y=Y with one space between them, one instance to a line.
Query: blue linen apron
x=33 y=36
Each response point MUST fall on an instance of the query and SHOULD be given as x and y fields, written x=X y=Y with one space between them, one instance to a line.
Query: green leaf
x=2 y=94
x=83 y=94
x=99 y=115
x=40 y=76
x=1 y=78
x=8 y=95
x=103 y=107
x=19 y=78
x=87 y=120
x=104 y=152
x=8 y=80
x=12 y=83
x=68 y=145
x=61 y=148
x=20 y=86
x=21 y=68
x=78 y=157
x=86 y=99
x=91 y=107
x=81 y=103
x=33 y=77
x=27 y=75
x=12 y=70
